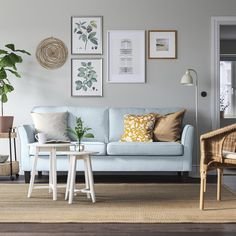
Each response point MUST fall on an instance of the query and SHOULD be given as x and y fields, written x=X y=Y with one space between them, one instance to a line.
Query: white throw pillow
x=53 y=124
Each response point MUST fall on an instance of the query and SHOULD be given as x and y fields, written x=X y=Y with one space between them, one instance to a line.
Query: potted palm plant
x=8 y=59
x=80 y=132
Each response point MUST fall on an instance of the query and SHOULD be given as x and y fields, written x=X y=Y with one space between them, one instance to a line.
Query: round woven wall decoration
x=51 y=53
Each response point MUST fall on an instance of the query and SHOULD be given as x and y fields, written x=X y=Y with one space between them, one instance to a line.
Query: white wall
x=27 y=22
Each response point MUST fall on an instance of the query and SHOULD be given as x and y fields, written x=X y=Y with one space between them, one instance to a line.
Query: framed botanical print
x=86 y=77
x=86 y=34
x=162 y=44
x=126 y=56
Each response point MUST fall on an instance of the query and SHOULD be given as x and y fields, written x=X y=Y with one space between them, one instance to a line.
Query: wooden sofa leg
x=219 y=183
x=27 y=176
x=202 y=188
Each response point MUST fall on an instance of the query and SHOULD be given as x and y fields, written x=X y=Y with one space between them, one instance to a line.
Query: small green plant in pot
x=8 y=59
x=80 y=132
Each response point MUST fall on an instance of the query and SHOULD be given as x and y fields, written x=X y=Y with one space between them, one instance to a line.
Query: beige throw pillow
x=168 y=127
x=54 y=124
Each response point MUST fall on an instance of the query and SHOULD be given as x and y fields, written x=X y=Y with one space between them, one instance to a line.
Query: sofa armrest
x=187 y=135
x=26 y=134
x=187 y=141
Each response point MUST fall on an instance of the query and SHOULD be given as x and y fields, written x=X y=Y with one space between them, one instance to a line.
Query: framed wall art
x=162 y=44
x=126 y=56
x=86 y=34
x=86 y=77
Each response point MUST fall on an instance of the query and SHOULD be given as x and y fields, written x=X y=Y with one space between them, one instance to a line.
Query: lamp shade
x=187 y=79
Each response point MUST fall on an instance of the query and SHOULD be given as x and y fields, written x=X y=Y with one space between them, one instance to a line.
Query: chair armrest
x=219 y=132
x=214 y=142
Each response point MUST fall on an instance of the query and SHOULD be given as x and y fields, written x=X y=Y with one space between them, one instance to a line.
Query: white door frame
x=216 y=22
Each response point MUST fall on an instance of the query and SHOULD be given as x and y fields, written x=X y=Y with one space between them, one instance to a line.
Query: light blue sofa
x=107 y=127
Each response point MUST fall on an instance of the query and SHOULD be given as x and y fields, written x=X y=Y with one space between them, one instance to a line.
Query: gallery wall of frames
x=126 y=54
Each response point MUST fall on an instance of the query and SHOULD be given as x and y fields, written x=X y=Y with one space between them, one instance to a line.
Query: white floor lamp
x=188 y=80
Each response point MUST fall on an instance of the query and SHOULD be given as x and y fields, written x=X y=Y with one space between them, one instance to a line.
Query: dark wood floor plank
x=115 y=228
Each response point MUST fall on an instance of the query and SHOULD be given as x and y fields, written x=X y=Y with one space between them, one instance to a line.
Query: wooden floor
x=35 y=229
x=118 y=229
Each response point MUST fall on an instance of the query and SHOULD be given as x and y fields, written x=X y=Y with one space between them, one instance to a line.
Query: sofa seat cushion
x=145 y=148
x=98 y=147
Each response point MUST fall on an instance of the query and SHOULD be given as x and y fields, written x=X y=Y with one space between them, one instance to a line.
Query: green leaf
x=91 y=35
x=78 y=82
x=93 y=80
x=72 y=133
x=14 y=72
x=83 y=63
x=89 y=135
x=15 y=58
x=3 y=51
x=89 y=83
x=87 y=129
x=3 y=74
x=4 y=98
x=78 y=85
x=82 y=69
x=7 y=62
x=83 y=27
x=8 y=87
x=10 y=46
x=93 y=23
x=23 y=51
x=81 y=74
x=89 y=63
x=84 y=88
x=94 y=41
x=1 y=91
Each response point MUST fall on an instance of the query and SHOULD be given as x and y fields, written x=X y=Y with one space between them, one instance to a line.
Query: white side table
x=51 y=148
x=89 y=183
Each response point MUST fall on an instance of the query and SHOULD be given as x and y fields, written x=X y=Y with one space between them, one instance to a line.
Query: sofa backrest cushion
x=93 y=117
x=116 y=118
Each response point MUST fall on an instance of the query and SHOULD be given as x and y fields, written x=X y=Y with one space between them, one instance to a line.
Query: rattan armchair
x=217 y=152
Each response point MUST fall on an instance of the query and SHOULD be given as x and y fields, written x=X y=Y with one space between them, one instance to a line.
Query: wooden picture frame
x=162 y=44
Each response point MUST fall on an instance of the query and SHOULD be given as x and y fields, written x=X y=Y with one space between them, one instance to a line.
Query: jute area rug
x=119 y=203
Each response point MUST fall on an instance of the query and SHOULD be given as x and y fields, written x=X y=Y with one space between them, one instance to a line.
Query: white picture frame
x=86 y=77
x=86 y=35
x=162 y=44
x=126 y=56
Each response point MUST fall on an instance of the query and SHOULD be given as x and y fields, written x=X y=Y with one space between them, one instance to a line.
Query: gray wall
x=27 y=22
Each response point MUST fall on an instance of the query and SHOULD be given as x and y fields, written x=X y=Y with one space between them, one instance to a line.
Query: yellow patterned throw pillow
x=138 y=128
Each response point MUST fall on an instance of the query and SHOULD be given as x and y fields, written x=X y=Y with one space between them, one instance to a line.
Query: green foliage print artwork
x=87 y=77
x=86 y=32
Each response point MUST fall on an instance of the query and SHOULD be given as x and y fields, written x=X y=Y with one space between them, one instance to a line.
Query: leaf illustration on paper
x=87 y=76
x=86 y=32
